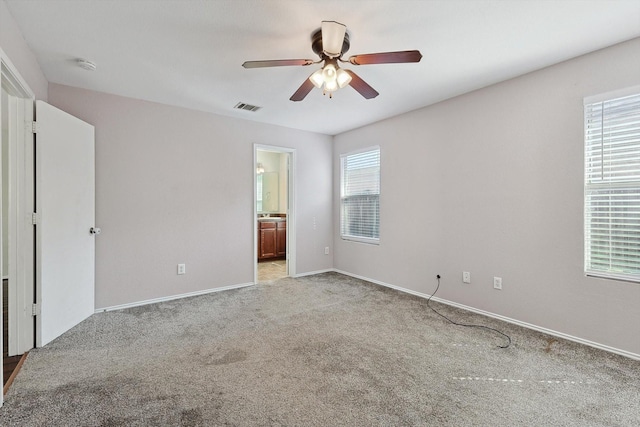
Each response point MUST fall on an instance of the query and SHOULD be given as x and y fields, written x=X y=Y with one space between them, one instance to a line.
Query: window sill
x=609 y=276
x=366 y=240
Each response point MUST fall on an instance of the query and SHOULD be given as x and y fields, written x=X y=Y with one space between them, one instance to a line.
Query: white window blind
x=360 y=196
x=612 y=188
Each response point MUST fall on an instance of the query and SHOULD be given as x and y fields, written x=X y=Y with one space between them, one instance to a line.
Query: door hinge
x=35 y=310
x=35 y=218
x=33 y=127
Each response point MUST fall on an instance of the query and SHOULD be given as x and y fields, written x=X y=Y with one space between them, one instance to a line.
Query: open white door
x=65 y=205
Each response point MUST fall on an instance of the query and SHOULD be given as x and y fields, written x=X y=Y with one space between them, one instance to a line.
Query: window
x=360 y=196
x=612 y=188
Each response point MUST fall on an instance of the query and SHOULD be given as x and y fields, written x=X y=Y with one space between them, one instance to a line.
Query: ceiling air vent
x=247 y=107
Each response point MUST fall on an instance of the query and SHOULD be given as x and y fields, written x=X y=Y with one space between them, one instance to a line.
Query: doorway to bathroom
x=274 y=216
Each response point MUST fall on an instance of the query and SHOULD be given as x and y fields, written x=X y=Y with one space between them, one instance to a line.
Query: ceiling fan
x=330 y=42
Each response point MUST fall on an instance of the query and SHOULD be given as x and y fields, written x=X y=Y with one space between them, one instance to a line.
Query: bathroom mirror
x=268 y=200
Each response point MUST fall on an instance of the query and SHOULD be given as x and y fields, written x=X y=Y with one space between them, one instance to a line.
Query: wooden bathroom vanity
x=272 y=238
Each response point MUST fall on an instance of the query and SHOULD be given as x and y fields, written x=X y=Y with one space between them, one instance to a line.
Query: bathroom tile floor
x=272 y=270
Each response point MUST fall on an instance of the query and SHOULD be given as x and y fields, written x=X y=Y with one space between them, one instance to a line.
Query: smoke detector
x=86 y=64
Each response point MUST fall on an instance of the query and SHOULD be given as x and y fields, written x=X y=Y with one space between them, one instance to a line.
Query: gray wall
x=491 y=182
x=176 y=186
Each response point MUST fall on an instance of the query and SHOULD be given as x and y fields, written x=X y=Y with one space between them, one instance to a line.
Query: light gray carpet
x=325 y=350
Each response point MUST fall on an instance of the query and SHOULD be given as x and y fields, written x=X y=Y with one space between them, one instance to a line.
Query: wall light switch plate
x=497 y=282
x=466 y=277
x=182 y=269
x=326 y=250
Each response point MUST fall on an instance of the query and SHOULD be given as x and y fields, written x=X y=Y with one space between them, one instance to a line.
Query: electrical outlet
x=466 y=277
x=182 y=269
x=497 y=283
x=326 y=250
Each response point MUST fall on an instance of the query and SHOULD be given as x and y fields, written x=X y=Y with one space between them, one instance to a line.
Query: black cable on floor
x=462 y=324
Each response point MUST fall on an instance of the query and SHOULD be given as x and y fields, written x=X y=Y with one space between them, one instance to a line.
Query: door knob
x=94 y=230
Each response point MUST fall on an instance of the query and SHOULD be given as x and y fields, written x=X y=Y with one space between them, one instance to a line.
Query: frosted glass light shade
x=342 y=78
x=331 y=86
x=317 y=79
x=332 y=38
x=329 y=72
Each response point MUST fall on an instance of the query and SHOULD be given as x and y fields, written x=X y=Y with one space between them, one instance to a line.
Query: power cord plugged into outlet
x=462 y=324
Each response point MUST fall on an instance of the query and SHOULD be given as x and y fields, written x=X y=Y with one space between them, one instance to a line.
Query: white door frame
x=21 y=187
x=291 y=208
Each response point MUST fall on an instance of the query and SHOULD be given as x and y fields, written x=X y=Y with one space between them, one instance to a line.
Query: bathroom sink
x=271 y=218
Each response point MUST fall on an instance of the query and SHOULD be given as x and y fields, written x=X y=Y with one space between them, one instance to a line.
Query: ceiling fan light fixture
x=332 y=38
x=330 y=77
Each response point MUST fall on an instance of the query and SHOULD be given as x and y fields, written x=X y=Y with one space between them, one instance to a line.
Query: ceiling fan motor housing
x=316 y=43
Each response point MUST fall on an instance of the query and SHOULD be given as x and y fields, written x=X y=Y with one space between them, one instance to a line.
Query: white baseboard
x=171 y=297
x=311 y=273
x=500 y=317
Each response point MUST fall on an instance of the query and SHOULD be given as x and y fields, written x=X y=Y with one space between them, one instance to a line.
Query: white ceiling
x=189 y=53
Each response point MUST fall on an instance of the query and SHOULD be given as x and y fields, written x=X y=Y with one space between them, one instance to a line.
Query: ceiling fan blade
x=277 y=63
x=361 y=86
x=386 y=57
x=332 y=38
x=302 y=91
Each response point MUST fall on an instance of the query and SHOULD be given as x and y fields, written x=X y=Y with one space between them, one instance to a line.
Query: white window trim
x=611 y=95
x=351 y=238
x=619 y=93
